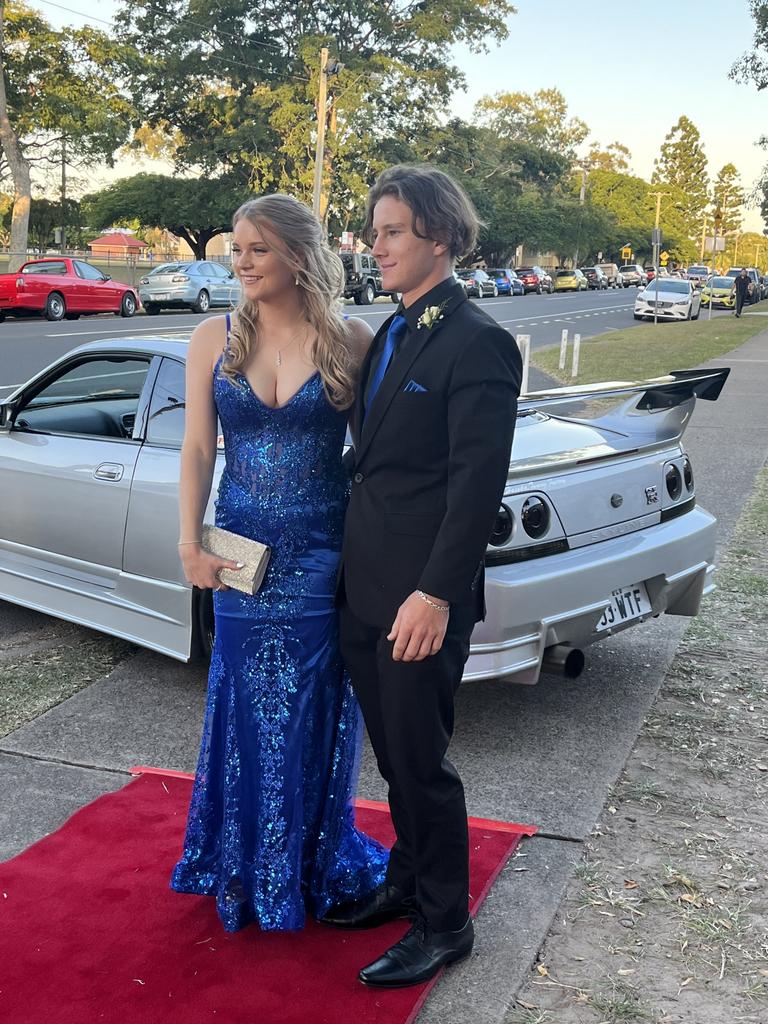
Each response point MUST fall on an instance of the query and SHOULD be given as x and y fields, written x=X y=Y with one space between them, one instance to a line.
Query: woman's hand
x=202 y=568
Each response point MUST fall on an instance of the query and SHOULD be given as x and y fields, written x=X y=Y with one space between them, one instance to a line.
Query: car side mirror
x=7 y=412
x=107 y=277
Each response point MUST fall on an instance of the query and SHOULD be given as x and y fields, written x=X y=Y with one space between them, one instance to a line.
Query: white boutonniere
x=430 y=316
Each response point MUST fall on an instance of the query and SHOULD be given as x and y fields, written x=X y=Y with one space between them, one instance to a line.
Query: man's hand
x=418 y=629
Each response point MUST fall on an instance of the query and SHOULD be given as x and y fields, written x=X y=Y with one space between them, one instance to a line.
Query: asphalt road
x=28 y=345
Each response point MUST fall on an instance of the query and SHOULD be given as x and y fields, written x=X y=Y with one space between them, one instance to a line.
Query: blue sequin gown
x=270 y=831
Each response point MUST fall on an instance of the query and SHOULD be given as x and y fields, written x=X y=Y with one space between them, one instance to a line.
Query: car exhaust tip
x=562 y=660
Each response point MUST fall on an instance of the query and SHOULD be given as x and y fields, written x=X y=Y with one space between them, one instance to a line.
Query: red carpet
x=91 y=933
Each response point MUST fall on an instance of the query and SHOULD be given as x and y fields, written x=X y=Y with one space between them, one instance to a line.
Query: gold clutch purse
x=235 y=548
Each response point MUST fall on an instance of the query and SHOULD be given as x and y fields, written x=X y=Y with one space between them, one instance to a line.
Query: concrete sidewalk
x=546 y=755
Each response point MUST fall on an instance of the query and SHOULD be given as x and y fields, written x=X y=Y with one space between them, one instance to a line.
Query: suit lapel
x=397 y=372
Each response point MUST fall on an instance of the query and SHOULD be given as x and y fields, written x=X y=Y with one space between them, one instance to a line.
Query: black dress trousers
x=409 y=713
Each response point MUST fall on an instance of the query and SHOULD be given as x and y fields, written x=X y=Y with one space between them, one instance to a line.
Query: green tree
x=193 y=209
x=682 y=164
x=235 y=83
x=58 y=93
x=615 y=157
x=540 y=120
x=728 y=198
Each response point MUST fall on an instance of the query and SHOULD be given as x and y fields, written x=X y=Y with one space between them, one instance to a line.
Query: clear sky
x=629 y=69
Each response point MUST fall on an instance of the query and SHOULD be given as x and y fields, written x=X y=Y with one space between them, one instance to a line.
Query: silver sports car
x=598 y=530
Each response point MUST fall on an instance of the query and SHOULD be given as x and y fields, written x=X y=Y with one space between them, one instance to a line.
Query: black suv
x=362 y=277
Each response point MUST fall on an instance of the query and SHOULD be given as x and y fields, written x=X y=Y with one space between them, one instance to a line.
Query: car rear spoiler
x=644 y=412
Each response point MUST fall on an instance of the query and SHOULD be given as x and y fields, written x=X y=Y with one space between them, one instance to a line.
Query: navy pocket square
x=413 y=385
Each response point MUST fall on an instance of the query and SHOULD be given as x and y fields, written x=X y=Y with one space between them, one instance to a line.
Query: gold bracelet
x=433 y=604
x=183 y=543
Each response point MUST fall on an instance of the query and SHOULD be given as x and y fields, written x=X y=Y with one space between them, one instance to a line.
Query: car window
x=566 y=273
x=87 y=271
x=51 y=267
x=97 y=397
x=166 y=409
x=720 y=282
x=169 y=268
x=669 y=285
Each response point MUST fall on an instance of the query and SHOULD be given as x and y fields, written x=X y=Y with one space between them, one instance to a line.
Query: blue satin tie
x=396 y=331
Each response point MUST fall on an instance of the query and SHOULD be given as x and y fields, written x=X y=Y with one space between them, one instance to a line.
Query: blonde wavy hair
x=296 y=237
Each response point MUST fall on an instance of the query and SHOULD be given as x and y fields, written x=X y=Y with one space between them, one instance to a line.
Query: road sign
x=626 y=252
x=656 y=236
x=663 y=257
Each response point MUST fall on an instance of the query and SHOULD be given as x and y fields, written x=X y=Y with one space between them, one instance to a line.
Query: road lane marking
x=569 y=312
x=124 y=331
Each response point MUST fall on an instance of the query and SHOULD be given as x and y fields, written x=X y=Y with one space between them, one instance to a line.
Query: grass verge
x=664 y=921
x=651 y=351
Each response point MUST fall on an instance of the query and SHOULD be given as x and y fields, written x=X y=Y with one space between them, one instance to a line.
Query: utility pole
x=656 y=241
x=63 y=241
x=321 y=119
x=717 y=220
x=582 y=198
x=703 y=236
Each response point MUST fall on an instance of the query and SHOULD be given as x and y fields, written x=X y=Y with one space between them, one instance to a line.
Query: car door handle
x=109 y=471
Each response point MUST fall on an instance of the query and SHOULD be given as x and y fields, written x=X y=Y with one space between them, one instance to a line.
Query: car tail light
x=180 y=277
x=688 y=474
x=535 y=517
x=502 y=527
x=674 y=482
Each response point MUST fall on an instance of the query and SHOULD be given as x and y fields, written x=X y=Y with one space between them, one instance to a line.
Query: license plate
x=626 y=604
x=159 y=296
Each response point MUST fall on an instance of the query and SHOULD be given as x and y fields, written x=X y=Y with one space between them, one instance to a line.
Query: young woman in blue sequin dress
x=270 y=832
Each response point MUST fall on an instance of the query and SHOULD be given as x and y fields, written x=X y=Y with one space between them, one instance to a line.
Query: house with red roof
x=117 y=243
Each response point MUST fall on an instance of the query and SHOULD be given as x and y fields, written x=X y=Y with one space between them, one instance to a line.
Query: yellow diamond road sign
x=664 y=255
x=626 y=252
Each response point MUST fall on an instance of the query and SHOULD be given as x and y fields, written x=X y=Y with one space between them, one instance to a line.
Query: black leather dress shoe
x=418 y=956
x=384 y=903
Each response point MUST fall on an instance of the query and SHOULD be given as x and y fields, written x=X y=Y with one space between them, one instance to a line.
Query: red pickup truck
x=63 y=288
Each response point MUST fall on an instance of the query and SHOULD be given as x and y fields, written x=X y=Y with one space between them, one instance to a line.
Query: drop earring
x=297 y=280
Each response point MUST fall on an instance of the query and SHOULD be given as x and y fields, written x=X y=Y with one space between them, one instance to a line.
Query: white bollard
x=524 y=344
x=563 y=348
x=576 y=347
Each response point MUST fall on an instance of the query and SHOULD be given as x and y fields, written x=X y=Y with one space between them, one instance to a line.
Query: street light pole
x=582 y=197
x=659 y=196
x=320 y=145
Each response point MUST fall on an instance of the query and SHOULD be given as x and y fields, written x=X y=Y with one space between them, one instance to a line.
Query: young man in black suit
x=432 y=430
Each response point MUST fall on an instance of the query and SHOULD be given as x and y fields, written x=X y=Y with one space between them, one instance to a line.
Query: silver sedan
x=196 y=285
x=598 y=529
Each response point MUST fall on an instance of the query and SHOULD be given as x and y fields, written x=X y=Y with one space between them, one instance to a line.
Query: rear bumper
x=560 y=599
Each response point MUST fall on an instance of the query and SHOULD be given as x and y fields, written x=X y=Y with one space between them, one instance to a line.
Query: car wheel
x=358 y=299
x=394 y=296
x=637 y=316
x=128 y=305
x=203 y=623
x=203 y=303
x=369 y=294
x=697 y=314
x=55 y=307
x=495 y=292
x=539 y=290
x=151 y=308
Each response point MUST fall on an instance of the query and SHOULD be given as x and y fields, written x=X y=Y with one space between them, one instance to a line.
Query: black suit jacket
x=430 y=465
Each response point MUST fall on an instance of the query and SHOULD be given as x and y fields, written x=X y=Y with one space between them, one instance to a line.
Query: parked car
x=64 y=288
x=596 y=279
x=478 y=283
x=188 y=284
x=362 y=278
x=507 y=281
x=536 y=279
x=633 y=274
x=598 y=529
x=757 y=292
x=698 y=274
x=668 y=298
x=570 y=281
x=611 y=271
x=718 y=291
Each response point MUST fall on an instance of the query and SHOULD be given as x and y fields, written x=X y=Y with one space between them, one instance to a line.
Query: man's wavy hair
x=442 y=210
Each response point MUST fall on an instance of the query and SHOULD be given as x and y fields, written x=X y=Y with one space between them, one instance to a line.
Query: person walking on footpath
x=743 y=287
x=432 y=430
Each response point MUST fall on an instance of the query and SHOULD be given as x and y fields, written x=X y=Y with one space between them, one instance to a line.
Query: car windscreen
x=665 y=284
x=170 y=268
x=466 y=275
x=525 y=270
x=720 y=282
